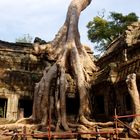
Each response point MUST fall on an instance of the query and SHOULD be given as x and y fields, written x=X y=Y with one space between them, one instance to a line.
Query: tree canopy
x=103 y=31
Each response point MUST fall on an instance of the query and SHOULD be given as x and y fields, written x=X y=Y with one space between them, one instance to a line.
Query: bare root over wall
x=70 y=57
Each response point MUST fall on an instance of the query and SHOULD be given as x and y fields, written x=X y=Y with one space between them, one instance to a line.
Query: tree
x=70 y=59
x=133 y=91
x=103 y=31
x=70 y=62
x=26 y=38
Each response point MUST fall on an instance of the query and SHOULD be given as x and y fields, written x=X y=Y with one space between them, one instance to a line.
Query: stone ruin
x=109 y=90
x=21 y=69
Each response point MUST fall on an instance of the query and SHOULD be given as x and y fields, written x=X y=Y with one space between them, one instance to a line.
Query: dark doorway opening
x=99 y=100
x=72 y=105
x=26 y=107
x=3 y=107
x=128 y=102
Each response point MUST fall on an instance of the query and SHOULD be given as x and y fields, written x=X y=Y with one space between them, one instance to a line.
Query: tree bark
x=70 y=57
x=133 y=91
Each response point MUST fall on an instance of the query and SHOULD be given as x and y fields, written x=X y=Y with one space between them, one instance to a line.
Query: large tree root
x=84 y=131
x=69 y=56
x=133 y=91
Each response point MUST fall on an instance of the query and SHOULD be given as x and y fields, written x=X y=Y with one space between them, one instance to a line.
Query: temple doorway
x=25 y=108
x=3 y=107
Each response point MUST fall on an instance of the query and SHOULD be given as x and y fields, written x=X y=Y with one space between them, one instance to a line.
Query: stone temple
x=20 y=69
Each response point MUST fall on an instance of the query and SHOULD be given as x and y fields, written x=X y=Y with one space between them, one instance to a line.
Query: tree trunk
x=133 y=91
x=70 y=58
x=69 y=61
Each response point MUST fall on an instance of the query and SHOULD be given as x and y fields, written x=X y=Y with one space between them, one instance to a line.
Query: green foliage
x=103 y=31
x=26 y=38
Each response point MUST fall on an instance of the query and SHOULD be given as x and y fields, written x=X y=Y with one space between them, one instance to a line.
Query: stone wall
x=19 y=71
x=121 y=59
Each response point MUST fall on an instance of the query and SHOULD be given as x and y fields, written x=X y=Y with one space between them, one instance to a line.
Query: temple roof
x=122 y=56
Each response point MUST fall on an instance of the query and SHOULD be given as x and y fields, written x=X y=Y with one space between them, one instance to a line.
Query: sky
x=43 y=18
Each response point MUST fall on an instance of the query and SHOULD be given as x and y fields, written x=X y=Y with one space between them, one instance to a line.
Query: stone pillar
x=12 y=107
x=21 y=113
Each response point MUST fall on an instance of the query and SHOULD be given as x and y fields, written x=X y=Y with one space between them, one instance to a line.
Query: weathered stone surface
x=19 y=71
x=109 y=82
x=133 y=34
